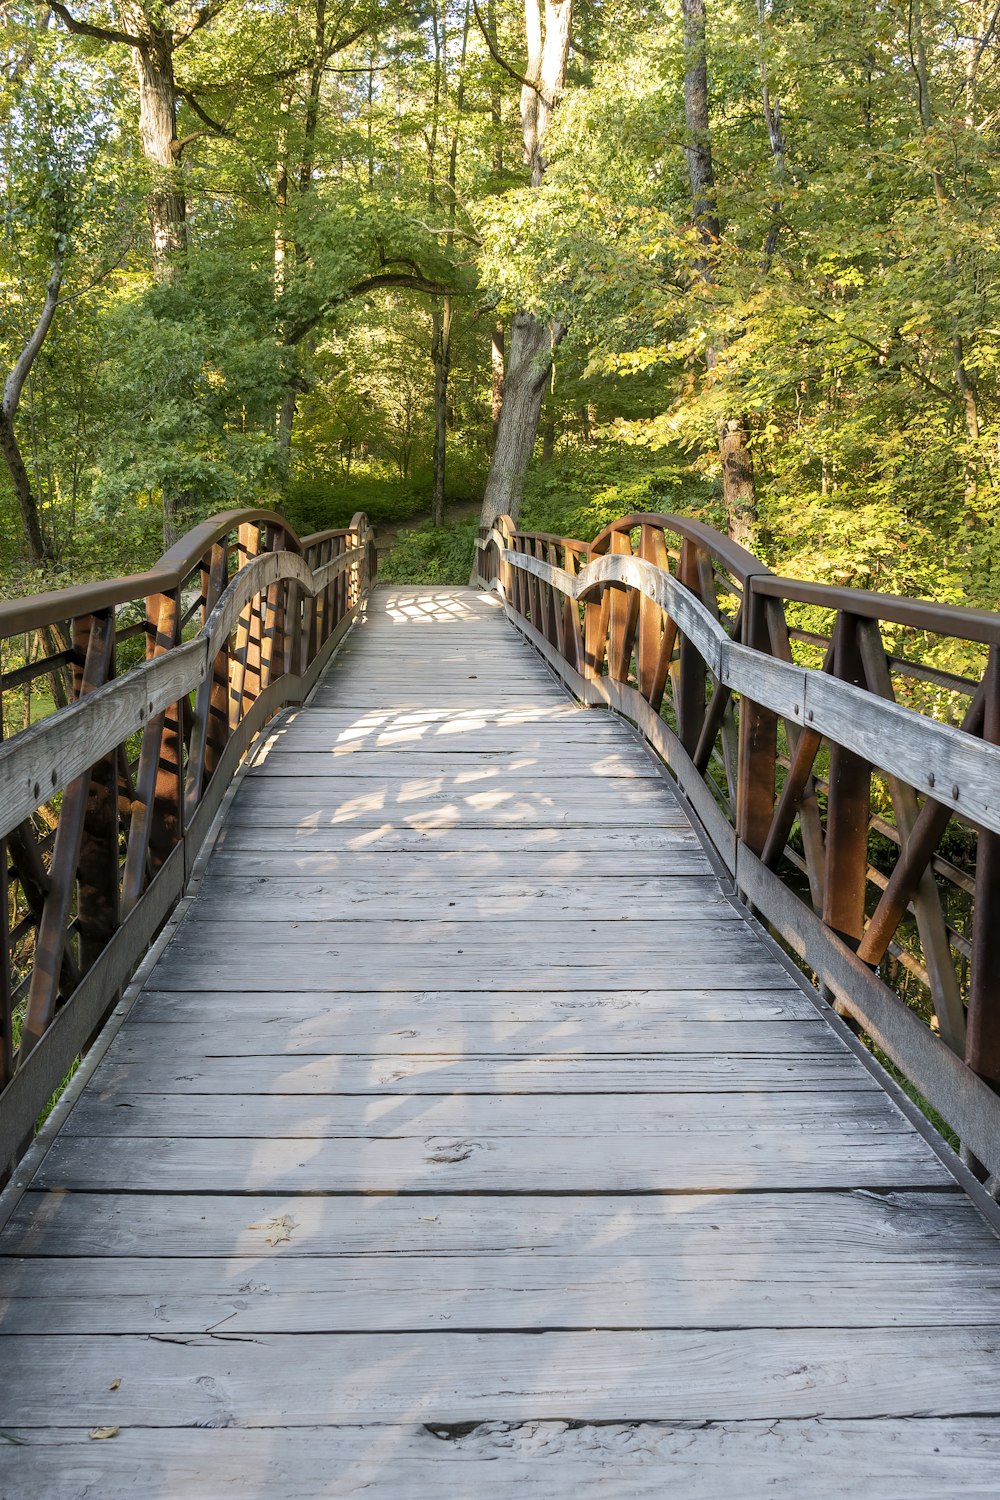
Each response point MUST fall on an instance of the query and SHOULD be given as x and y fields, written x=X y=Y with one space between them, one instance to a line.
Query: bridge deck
x=467 y=1140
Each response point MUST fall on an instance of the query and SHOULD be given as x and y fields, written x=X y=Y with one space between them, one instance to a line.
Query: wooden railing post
x=982 y=1043
x=848 y=806
x=692 y=674
x=6 y=1001
x=624 y=616
x=272 y=646
x=98 y=906
x=758 y=741
x=51 y=938
x=244 y=677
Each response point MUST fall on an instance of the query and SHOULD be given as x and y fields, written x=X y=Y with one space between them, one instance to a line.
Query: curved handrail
x=177 y=563
x=737 y=561
x=50 y=754
x=759 y=740
x=272 y=608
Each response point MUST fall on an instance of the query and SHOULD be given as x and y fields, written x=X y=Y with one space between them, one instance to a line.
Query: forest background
x=584 y=256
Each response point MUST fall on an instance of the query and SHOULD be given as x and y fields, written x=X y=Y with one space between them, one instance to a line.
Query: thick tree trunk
x=154 y=66
x=531 y=342
x=738 y=482
x=525 y=379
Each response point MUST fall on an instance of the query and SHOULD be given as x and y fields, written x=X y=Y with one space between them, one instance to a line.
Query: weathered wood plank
x=509 y=1010
x=707 y=1074
x=473 y=769
x=721 y=1161
x=445 y=838
x=828 y=1228
x=302 y=900
x=602 y=1376
x=893 y=1459
x=502 y=1291
x=359 y=869
x=284 y=1032
x=109 y=1111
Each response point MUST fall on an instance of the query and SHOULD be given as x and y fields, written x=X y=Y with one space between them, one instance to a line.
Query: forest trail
x=389 y=532
x=467 y=1139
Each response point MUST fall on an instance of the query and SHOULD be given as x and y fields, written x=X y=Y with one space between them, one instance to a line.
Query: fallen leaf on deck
x=115 y=1383
x=276 y=1231
x=102 y=1432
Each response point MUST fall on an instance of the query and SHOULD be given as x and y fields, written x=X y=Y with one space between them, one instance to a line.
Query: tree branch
x=14 y=384
x=84 y=28
x=501 y=62
x=410 y=281
x=215 y=126
x=202 y=18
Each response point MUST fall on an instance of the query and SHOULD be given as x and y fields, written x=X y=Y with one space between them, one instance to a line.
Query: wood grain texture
x=215 y=1380
x=576 y=1192
x=893 y=1459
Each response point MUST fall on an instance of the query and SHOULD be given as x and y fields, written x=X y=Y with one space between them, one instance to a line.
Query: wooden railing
x=841 y=750
x=150 y=690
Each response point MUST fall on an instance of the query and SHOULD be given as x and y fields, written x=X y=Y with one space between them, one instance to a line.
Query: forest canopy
x=735 y=258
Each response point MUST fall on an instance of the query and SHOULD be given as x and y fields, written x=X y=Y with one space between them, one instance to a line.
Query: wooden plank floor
x=465 y=1141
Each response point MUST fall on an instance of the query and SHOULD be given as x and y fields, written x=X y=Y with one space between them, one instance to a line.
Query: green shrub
x=431 y=554
x=316 y=505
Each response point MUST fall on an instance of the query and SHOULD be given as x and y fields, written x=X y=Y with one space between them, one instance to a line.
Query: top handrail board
x=37 y=611
x=45 y=757
x=945 y=763
x=736 y=559
x=979 y=625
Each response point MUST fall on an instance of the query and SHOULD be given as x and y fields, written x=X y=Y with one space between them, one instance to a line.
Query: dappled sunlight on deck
x=466 y=1137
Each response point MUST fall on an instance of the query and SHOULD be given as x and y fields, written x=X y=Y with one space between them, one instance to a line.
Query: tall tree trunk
x=525 y=379
x=441 y=316
x=154 y=66
x=532 y=343
x=496 y=376
x=734 y=452
x=441 y=355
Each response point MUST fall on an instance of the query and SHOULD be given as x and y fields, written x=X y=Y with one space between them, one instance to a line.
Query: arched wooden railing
x=151 y=689
x=841 y=750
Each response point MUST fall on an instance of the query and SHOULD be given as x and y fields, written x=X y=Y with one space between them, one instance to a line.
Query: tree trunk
x=39 y=555
x=286 y=421
x=738 y=482
x=525 y=379
x=154 y=66
x=737 y=463
x=37 y=544
x=496 y=377
x=441 y=355
x=548 y=437
x=531 y=342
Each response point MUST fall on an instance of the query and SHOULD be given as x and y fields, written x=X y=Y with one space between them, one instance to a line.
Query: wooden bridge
x=472 y=1125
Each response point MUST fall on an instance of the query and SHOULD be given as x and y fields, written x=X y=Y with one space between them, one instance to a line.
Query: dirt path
x=388 y=535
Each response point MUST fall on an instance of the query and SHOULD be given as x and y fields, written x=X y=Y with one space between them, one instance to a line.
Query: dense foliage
x=276 y=297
